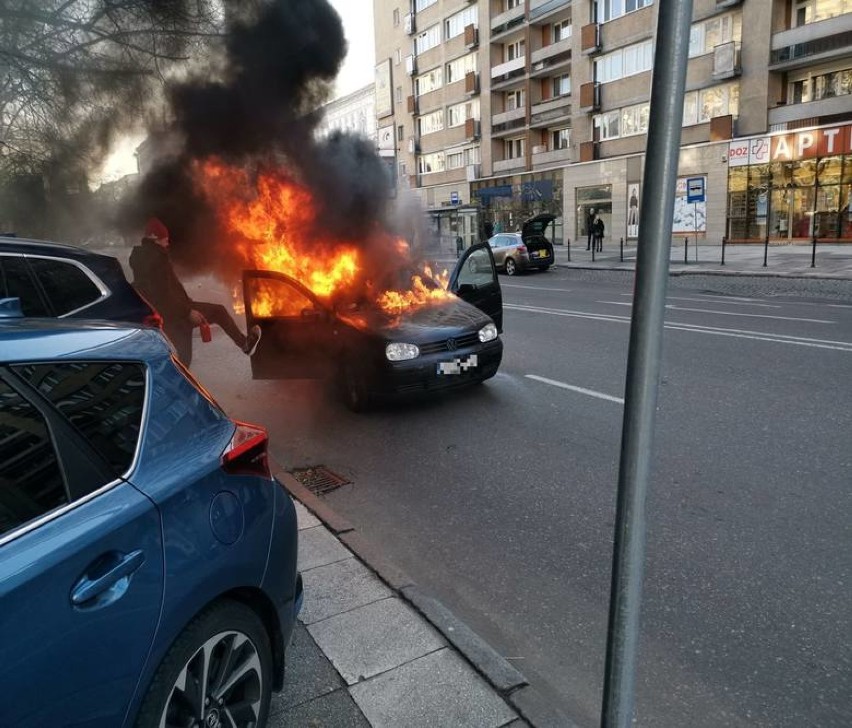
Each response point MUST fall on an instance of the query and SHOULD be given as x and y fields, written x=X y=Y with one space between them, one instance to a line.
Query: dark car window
x=477 y=269
x=16 y=281
x=31 y=482
x=103 y=400
x=66 y=285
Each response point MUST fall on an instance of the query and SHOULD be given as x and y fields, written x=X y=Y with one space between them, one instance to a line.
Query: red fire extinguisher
x=206 y=334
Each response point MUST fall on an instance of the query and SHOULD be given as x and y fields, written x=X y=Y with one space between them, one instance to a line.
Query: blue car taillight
x=246 y=453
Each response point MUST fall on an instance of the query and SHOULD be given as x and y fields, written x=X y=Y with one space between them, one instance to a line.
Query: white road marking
x=581 y=390
x=535 y=288
x=718 y=299
x=750 y=315
x=697 y=328
x=673 y=307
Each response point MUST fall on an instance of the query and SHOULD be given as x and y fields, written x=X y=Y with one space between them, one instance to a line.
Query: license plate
x=458 y=365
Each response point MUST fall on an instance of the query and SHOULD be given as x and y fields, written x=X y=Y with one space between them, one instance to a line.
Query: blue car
x=147 y=556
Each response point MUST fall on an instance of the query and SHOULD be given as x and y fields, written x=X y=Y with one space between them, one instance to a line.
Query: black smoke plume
x=261 y=110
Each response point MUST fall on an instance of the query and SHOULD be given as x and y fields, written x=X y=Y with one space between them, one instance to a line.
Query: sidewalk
x=371 y=649
x=833 y=262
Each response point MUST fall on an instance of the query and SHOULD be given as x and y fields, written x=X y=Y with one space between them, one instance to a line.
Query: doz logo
x=738 y=153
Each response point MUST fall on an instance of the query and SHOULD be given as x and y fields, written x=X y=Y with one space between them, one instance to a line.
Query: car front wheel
x=353 y=388
x=511 y=268
x=217 y=673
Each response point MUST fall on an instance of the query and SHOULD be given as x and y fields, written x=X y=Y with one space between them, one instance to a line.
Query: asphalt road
x=500 y=501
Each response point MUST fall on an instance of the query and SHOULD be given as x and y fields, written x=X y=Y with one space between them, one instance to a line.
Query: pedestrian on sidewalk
x=590 y=228
x=599 y=233
x=156 y=280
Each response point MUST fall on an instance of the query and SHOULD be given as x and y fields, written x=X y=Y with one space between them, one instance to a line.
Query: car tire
x=226 y=638
x=353 y=388
x=511 y=267
x=543 y=268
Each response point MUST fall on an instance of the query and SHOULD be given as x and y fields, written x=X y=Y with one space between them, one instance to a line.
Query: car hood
x=423 y=324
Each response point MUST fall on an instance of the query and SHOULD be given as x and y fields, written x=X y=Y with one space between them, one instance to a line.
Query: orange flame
x=274 y=221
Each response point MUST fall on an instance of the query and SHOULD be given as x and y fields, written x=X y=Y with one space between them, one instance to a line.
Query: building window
x=428 y=81
x=605 y=10
x=396 y=17
x=402 y=169
x=561 y=30
x=562 y=85
x=628 y=121
x=812 y=11
x=625 y=62
x=560 y=139
x=399 y=94
x=431 y=163
x=422 y=4
x=459 y=113
x=512 y=4
x=701 y=106
x=817 y=86
x=704 y=37
x=514 y=148
x=400 y=133
x=455 y=160
x=430 y=123
x=515 y=99
x=513 y=51
x=397 y=57
x=457 y=69
x=429 y=38
x=455 y=24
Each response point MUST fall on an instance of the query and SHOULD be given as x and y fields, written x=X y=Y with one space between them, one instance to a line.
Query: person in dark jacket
x=590 y=228
x=156 y=280
x=599 y=233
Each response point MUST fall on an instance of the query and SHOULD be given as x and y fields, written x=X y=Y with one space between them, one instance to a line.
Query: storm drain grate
x=319 y=479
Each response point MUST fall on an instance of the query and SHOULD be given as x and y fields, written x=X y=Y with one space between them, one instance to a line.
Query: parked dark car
x=147 y=556
x=372 y=355
x=530 y=248
x=64 y=281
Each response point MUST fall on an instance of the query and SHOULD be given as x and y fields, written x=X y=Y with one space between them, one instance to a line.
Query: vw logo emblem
x=213 y=720
x=452 y=344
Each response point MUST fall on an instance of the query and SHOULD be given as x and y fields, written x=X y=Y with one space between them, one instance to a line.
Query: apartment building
x=561 y=92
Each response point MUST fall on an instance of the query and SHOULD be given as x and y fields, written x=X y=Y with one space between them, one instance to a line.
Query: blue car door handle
x=86 y=588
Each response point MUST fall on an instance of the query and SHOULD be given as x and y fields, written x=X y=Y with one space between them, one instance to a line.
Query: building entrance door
x=791 y=213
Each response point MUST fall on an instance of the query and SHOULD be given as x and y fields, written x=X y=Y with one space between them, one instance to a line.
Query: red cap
x=155 y=228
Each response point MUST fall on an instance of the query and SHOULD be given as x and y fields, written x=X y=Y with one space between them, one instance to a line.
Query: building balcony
x=499 y=22
x=504 y=69
x=555 y=156
x=507 y=116
x=811 y=43
x=550 y=111
x=835 y=105
x=550 y=66
x=509 y=165
x=554 y=49
x=541 y=9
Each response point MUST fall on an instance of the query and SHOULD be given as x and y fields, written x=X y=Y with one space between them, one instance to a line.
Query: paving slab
x=309 y=674
x=438 y=690
x=375 y=638
x=317 y=547
x=304 y=517
x=338 y=588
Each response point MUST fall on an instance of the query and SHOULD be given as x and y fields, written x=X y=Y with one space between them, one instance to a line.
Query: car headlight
x=401 y=352
x=488 y=333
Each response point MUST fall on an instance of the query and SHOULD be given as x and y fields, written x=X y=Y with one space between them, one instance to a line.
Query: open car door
x=474 y=280
x=296 y=328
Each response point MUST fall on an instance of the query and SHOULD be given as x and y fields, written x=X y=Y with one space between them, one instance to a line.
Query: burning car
x=425 y=339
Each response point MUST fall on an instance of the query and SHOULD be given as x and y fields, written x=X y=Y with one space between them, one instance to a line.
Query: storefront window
x=782 y=174
x=804 y=173
x=597 y=199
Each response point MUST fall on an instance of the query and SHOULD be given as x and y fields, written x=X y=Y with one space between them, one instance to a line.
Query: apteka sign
x=791 y=147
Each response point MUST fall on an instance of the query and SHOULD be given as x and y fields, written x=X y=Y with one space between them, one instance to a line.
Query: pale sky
x=357 y=71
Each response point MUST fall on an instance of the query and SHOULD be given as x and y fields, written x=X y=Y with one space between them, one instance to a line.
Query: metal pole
x=813 y=253
x=621 y=248
x=765 y=250
x=724 y=240
x=594 y=246
x=643 y=362
x=569 y=249
x=686 y=249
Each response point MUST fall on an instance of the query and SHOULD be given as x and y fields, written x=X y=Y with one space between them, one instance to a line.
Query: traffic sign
x=454 y=198
x=694 y=190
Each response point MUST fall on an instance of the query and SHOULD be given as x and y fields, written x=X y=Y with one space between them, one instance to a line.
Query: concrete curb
x=701 y=272
x=503 y=677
